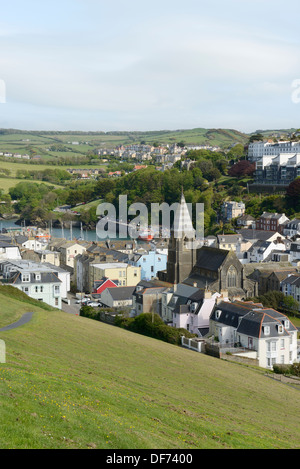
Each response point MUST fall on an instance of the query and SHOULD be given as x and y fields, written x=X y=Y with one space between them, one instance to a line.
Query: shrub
x=281 y=369
x=152 y=325
x=295 y=369
x=122 y=321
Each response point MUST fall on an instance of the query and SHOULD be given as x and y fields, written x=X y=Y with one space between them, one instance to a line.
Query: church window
x=231 y=277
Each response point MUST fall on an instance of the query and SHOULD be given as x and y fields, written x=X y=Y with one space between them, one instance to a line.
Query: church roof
x=211 y=258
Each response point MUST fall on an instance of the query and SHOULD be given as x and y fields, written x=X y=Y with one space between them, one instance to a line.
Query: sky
x=161 y=65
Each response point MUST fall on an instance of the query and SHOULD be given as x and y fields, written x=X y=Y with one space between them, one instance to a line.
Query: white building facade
x=265 y=334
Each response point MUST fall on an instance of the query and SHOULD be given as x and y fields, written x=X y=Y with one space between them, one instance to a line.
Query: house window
x=56 y=301
x=25 y=277
x=56 y=289
x=271 y=346
x=266 y=330
x=282 y=343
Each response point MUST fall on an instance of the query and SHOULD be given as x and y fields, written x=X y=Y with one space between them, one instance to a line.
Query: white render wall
x=11 y=252
x=47 y=295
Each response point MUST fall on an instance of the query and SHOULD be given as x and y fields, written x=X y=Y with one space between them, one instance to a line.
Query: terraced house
x=36 y=280
x=266 y=335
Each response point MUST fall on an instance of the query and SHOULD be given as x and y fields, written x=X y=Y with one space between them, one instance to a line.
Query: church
x=207 y=268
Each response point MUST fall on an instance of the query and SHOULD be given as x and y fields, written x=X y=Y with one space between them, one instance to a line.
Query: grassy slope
x=15 y=142
x=70 y=382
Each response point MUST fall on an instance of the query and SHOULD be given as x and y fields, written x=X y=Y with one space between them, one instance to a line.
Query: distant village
x=204 y=289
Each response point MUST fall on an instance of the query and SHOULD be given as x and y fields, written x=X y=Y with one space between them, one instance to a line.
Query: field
x=7 y=183
x=71 y=382
x=82 y=143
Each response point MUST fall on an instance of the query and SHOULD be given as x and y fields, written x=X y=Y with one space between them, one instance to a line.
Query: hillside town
x=207 y=290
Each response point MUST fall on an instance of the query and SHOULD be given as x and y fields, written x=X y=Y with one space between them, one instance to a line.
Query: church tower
x=181 y=248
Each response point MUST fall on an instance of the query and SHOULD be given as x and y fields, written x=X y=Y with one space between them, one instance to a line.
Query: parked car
x=83 y=301
x=94 y=304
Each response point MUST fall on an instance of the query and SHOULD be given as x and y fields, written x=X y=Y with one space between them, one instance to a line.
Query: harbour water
x=65 y=233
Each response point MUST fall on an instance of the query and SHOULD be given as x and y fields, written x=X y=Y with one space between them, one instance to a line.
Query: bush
x=295 y=369
x=122 y=321
x=152 y=325
x=92 y=313
x=281 y=369
x=89 y=312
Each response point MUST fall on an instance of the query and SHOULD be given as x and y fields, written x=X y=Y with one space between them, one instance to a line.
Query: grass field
x=18 y=142
x=71 y=382
x=7 y=183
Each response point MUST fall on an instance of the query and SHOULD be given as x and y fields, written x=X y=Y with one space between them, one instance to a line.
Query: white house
x=295 y=252
x=36 y=280
x=34 y=244
x=260 y=250
x=9 y=251
x=292 y=228
x=63 y=275
x=265 y=334
x=117 y=297
x=194 y=315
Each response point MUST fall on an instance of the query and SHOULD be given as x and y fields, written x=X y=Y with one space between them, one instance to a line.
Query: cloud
x=176 y=65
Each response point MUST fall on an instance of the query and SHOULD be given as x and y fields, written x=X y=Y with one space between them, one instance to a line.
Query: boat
x=146 y=235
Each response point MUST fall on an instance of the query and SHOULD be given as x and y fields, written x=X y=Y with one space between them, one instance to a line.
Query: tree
x=238 y=151
x=290 y=304
x=241 y=169
x=293 y=194
x=256 y=137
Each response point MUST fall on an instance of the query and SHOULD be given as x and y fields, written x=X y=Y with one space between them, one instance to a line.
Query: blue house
x=151 y=263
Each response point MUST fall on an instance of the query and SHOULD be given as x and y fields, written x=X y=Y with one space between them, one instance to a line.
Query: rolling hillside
x=41 y=142
x=70 y=382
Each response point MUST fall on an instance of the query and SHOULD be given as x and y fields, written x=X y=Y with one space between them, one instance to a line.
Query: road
x=71 y=308
x=24 y=319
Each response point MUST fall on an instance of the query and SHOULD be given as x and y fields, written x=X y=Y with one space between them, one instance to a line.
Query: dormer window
x=280 y=329
x=286 y=323
x=267 y=330
x=218 y=313
x=25 y=277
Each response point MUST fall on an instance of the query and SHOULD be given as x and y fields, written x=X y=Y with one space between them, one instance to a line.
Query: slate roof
x=45 y=277
x=249 y=318
x=231 y=238
x=292 y=279
x=121 y=293
x=250 y=234
x=211 y=258
x=4 y=244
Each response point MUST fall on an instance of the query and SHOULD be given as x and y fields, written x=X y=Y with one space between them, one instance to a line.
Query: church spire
x=183 y=226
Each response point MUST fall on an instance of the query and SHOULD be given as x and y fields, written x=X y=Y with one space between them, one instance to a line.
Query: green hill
x=40 y=142
x=71 y=382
